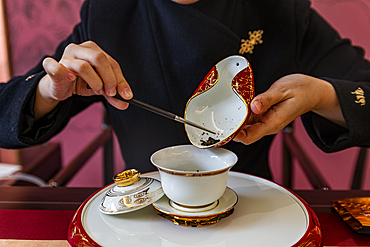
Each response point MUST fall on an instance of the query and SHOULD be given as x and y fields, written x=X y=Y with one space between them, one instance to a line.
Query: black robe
x=165 y=49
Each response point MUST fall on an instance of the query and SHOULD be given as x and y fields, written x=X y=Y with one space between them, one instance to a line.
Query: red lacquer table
x=31 y=213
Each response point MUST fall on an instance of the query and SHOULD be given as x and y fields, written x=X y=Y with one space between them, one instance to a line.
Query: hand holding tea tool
x=162 y=112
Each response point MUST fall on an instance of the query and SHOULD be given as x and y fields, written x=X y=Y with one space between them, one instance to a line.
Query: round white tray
x=266 y=215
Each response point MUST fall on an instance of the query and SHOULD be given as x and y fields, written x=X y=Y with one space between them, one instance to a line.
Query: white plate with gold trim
x=266 y=214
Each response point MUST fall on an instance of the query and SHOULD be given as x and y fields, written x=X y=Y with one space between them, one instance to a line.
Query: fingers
x=271 y=112
x=264 y=101
x=265 y=124
x=122 y=87
x=87 y=64
x=87 y=75
x=92 y=65
x=96 y=68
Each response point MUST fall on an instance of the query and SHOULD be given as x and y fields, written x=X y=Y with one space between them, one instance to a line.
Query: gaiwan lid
x=131 y=192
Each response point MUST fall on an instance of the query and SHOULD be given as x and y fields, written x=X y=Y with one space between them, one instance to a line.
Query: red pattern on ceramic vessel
x=209 y=81
x=243 y=85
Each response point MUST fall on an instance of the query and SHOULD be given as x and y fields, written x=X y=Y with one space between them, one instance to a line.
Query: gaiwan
x=194 y=181
x=192 y=190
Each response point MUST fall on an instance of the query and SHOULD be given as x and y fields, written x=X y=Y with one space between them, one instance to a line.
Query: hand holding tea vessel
x=287 y=99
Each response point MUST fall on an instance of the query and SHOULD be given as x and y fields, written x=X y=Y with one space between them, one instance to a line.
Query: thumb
x=57 y=71
x=264 y=101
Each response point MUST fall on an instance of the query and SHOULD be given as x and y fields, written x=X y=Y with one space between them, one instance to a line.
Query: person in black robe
x=160 y=50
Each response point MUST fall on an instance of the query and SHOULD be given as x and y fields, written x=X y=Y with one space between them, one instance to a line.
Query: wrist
x=327 y=97
x=328 y=105
x=44 y=102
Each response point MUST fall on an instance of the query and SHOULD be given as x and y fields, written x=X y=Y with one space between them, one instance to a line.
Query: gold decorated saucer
x=191 y=217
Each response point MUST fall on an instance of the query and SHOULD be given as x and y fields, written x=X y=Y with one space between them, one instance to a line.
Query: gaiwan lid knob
x=126 y=178
x=130 y=192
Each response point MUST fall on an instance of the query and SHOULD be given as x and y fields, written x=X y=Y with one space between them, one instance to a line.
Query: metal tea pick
x=162 y=112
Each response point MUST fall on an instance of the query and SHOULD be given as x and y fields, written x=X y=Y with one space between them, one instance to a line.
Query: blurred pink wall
x=45 y=23
x=4 y=66
x=6 y=156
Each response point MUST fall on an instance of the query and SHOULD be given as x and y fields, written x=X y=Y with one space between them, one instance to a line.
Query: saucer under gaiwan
x=221 y=103
x=197 y=217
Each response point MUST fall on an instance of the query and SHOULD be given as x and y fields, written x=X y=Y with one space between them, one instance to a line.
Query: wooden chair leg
x=292 y=149
x=108 y=152
x=359 y=171
x=65 y=174
x=287 y=161
x=313 y=175
x=108 y=161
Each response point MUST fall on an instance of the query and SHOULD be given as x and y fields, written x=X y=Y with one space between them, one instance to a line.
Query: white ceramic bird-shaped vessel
x=221 y=103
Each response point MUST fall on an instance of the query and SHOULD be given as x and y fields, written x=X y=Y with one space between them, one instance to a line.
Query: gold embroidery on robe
x=30 y=77
x=360 y=96
x=247 y=45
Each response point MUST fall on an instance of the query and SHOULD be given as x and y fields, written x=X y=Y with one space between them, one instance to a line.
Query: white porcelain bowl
x=221 y=103
x=191 y=176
